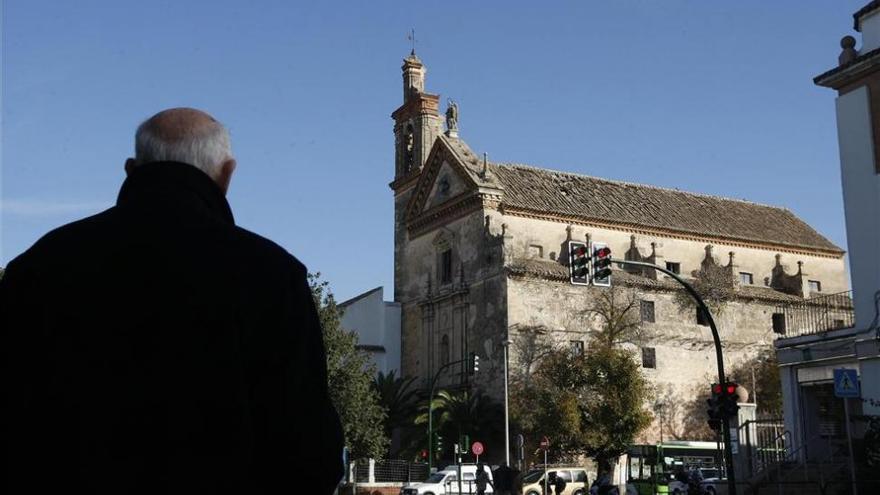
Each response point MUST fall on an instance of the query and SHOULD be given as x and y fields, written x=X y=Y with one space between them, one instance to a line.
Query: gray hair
x=205 y=147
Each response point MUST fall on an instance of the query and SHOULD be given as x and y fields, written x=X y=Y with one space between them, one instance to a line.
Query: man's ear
x=129 y=166
x=225 y=175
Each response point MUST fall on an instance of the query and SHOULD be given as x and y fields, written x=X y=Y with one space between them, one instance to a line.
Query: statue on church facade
x=451 y=118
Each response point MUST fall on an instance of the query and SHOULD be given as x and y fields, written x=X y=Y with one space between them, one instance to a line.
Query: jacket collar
x=179 y=180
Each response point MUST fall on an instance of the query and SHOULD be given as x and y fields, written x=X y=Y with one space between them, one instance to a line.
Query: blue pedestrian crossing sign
x=846 y=383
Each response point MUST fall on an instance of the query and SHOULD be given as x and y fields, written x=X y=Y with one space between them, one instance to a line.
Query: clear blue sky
x=713 y=97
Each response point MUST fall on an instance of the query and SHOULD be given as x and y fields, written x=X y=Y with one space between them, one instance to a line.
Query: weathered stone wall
x=527 y=233
x=685 y=355
x=470 y=311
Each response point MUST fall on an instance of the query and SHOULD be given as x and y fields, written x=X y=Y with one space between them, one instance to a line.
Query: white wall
x=377 y=323
x=861 y=193
x=870 y=32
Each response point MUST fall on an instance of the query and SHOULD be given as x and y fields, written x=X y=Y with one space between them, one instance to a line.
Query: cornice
x=669 y=233
x=444 y=213
x=405 y=181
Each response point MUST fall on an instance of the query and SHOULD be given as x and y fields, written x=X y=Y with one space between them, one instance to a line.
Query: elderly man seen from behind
x=158 y=348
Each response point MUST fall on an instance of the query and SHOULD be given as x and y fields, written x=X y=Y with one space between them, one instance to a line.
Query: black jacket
x=158 y=348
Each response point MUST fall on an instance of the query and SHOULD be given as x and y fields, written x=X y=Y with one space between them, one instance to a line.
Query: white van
x=445 y=482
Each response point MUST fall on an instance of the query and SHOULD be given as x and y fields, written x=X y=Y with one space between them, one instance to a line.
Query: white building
x=812 y=347
x=377 y=323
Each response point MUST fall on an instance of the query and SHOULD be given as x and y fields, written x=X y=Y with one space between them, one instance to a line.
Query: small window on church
x=647 y=311
x=701 y=318
x=536 y=251
x=446 y=267
x=649 y=357
x=673 y=267
x=746 y=278
x=815 y=286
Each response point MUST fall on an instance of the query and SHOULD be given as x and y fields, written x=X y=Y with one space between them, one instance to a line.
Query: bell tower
x=417 y=122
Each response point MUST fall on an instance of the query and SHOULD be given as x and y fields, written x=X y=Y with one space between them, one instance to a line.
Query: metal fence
x=389 y=471
x=815 y=315
x=766 y=442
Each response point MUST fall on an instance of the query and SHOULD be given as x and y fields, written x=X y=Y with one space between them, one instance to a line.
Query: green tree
x=590 y=404
x=399 y=398
x=350 y=378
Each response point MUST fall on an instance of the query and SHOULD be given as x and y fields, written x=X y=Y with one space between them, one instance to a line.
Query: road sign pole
x=546 y=489
x=852 y=461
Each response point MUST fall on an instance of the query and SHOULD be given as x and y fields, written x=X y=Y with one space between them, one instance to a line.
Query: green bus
x=651 y=469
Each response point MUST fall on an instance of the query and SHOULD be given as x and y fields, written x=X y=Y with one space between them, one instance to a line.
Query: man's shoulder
x=270 y=252
x=62 y=240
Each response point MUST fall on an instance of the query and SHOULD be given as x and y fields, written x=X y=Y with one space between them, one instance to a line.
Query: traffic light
x=578 y=263
x=722 y=404
x=729 y=407
x=601 y=264
x=474 y=362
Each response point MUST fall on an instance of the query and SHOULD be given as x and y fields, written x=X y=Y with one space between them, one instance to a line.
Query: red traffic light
x=580 y=251
x=603 y=252
x=730 y=388
x=716 y=388
x=423 y=454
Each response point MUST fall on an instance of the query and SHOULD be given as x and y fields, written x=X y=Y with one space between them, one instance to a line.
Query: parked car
x=445 y=482
x=576 y=482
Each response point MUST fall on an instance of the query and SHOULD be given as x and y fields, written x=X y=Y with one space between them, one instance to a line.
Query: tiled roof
x=552 y=270
x=549 y=191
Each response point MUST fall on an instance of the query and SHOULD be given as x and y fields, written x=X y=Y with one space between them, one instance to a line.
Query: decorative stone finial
x=568 y=229
x=653 y=249
x=503 y=229
x=730 y=256
x=632 y=240
x=849 y=53
x=800 y=266
x=588 y=238
x=485 y=164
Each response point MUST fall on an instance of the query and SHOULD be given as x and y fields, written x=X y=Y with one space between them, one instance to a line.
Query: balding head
x=189 y=136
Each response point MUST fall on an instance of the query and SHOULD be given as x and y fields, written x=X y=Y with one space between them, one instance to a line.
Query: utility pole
x=506 y=345
x=719 y=356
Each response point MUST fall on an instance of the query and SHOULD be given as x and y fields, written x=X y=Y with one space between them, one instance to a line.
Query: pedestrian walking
x=482 y=479
x=156 y=347
x=559 y=484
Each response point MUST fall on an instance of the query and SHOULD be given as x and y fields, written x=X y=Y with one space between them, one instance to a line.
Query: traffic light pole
x=431 y=411
x=719 y=356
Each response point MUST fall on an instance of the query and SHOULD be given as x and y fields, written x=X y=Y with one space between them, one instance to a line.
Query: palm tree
x=399 y=399
x=465 y=413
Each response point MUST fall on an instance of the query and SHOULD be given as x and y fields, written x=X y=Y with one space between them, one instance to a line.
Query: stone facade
x=480 y=252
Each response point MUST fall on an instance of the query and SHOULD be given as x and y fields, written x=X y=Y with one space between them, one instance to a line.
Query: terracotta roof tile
x=550 y=191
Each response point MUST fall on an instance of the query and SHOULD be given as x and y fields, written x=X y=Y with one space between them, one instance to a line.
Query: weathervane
x=412 y=37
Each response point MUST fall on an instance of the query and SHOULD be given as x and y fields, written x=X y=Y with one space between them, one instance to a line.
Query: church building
x=480 y=256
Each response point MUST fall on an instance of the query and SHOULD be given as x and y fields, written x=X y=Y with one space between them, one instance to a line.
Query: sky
x=703 y=96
